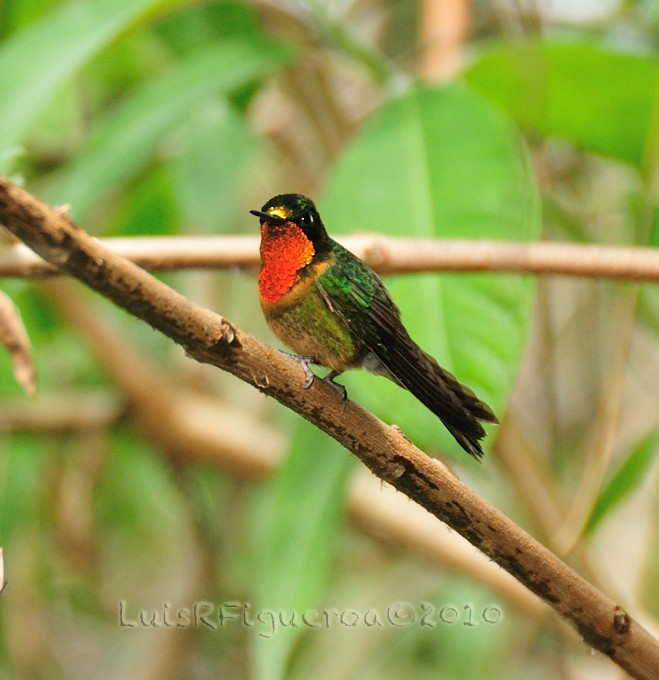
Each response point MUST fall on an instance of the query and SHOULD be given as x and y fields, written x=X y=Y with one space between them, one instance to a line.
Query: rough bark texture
x=208 y=337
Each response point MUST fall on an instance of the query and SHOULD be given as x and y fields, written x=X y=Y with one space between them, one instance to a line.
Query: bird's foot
x=304 y=361
x=329 y=378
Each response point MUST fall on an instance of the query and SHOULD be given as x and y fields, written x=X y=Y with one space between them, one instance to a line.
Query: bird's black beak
x=268 y=217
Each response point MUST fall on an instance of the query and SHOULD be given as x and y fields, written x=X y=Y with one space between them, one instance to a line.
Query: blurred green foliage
x=455 y=168
x=565 y=89
x=173 y=117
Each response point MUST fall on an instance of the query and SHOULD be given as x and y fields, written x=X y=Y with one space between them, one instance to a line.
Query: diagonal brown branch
x=386 y=254
x=191 y=427
x=385 y=450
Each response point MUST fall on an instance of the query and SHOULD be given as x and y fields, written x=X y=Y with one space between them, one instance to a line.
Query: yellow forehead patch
x=280 y=211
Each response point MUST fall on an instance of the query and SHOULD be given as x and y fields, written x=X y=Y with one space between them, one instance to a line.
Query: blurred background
x=159 y=519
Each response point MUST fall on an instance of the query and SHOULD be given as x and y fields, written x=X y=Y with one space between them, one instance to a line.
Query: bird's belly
x=303 y=322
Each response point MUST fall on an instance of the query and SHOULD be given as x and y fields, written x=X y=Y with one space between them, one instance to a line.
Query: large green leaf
x=123 y=142
x=443 y=162
x=297 y=548
x=36 y=61
x=627 y=477
x=222 y=159
x=603 y=100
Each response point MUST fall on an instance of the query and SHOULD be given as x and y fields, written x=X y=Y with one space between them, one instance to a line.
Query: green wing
x=358 y=296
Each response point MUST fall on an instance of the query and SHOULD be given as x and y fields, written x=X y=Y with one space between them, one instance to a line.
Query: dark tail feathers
x=466 y=426
x=455 y=405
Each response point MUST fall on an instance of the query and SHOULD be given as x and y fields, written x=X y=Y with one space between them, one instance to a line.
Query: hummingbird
x=333 y=311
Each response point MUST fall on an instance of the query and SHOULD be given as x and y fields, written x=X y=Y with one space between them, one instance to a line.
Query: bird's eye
x=306 y=220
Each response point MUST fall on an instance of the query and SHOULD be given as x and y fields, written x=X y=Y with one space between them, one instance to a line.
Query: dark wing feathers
x=362 y=301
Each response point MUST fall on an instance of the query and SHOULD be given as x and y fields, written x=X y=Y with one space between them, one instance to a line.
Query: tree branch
x=189 y=426
x=386 y=254
x=385 y=450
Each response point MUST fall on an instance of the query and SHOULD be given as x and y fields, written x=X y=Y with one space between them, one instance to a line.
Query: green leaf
x=36 y=61
x=304 y=515
x=22 y=478
x=123 y=142
x=149 y=202
x=627 y=478
x=204 y=23
x=207 y=185
x=600 y=99
x=443 y=162
x=9 y=155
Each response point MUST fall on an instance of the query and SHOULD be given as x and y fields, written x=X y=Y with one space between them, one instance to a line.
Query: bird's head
x=292 y=238
x=291 y=212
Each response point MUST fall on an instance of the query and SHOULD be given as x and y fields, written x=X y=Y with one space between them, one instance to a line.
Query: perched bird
x=334 y=311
